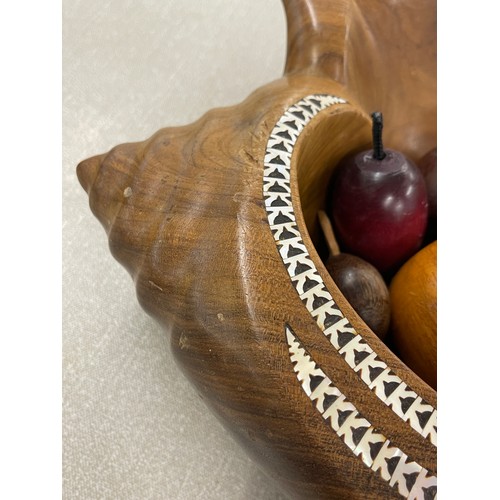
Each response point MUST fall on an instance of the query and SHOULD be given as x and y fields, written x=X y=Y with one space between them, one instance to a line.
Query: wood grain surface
x=185 y=213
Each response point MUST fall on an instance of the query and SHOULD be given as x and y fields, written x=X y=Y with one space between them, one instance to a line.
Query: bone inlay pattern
x=410 y=479
x=372 y=370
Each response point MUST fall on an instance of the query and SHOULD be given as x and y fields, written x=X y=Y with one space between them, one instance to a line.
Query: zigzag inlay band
x=371 y=446
x=372 y=370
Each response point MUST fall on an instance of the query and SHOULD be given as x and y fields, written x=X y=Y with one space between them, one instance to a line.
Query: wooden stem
x=327 y=228
x=316 y=39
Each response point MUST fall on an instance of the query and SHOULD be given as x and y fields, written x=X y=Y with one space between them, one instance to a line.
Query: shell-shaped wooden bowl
x=216 y=222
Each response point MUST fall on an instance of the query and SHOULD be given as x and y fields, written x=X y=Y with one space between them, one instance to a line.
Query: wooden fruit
x=428 y=167
x=216 y=223
x=360 y=282
x=379 y=205
x=414 y=313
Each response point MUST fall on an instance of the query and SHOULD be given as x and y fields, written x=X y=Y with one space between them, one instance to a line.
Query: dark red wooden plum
x=379 y=205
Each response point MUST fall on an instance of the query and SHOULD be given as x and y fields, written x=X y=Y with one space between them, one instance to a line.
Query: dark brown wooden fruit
x=359 y=281
x=364 y=288
x=428 y=167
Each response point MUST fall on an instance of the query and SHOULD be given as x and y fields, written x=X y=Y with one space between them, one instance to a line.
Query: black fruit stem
x=377 y=126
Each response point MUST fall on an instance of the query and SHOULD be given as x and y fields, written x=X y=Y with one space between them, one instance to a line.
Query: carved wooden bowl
x=216 y=223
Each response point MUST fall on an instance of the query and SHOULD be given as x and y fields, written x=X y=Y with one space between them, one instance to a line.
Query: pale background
x=133 y=428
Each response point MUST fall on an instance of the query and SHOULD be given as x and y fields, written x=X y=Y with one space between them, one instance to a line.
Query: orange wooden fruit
x=414 y=313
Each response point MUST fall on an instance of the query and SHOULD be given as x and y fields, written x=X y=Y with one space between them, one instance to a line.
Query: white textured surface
x=133 y=428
